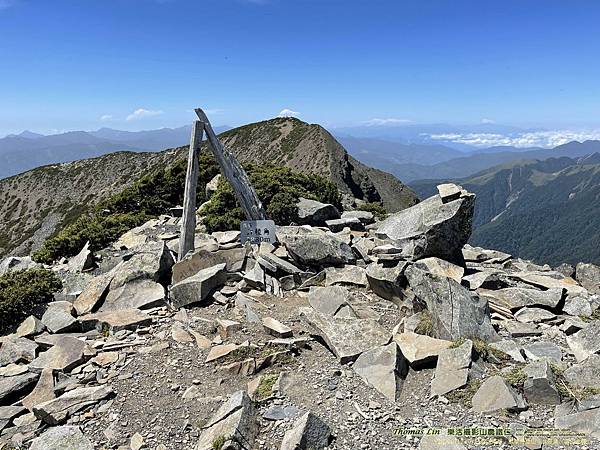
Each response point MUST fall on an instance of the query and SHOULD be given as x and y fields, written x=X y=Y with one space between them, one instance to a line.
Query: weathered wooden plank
x=188 y=220
x=235 y=174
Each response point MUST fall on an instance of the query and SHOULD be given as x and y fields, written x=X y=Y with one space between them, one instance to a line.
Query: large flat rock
x=346 y=338
x=67 y=437
x=113 y=321
x=314 y=248
x=383 y=368
x=455 y=311
x=197 y=288
x=57 y=411
x=66 y=354
x=139 y=294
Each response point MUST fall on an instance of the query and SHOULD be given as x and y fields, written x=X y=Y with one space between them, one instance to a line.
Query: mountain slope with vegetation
x=468 y=165
x=37 y=203
x=40 y=203
x=547 y=210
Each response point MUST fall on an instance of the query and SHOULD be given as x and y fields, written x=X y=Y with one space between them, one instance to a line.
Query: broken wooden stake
x=188 y=220
x=235 y=174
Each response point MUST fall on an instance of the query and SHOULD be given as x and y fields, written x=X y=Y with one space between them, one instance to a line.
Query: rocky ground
x=346 y=334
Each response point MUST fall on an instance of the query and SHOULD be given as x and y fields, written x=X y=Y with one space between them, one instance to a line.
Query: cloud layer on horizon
x=528 y=139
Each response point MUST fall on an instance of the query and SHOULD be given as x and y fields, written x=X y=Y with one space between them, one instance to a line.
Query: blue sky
x=86 y=64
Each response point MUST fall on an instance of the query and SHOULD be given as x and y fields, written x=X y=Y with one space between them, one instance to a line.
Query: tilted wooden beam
x=188 y=221
x=235 y=174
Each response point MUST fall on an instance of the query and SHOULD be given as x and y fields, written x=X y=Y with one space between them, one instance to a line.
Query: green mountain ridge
x=548 y=211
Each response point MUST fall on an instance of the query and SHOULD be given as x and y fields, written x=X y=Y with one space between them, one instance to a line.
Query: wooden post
x=188 y=220
x=235 y=174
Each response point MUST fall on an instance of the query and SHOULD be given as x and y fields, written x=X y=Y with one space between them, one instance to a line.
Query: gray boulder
x=582 y=421
x=30 y=327
x=233 y=258
x=496 y=394
x=540 y=385
x=312 y=212
x=314 y=248
x=309 y=432
x=212 y=185
x=140 y=294
x=387 y=282
x=13 y=263
x=66 y=354
x=452 y=369
x=152 y=261
x=13 y=387
x=84 y=260
x=95 y=291
x=67 y=437
x=456 y=313
x=332 y=301
x=517 y=297
x=383 y=368
x=197 y=288
x=586 y=342
x=346 y=338
x=441 y=268
x=58 y=410
x=337 y=225
x=16 y=350
x=543 y=350
x=58 y=317
x=585 y=374
x=117 y=320
x=438 y=442
x=347 y=275
x=234 y=421
x=366 y=217
x=431 y=228
x=588 y=276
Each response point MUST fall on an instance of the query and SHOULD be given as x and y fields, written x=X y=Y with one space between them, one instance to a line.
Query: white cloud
x=376 y=122
x=286 y=112
x=106 y=118
x=530 y=139
x=487 y=121
x=142 y=113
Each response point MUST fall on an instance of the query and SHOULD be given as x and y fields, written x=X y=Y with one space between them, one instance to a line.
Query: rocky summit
x=348 y=333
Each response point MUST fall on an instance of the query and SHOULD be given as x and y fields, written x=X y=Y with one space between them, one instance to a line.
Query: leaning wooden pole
x=188 y=221
x=235 y=174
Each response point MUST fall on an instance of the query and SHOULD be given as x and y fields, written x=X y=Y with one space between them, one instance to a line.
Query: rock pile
x=334 y=338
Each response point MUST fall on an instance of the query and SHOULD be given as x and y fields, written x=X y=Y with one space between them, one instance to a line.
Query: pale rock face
x=431 y=228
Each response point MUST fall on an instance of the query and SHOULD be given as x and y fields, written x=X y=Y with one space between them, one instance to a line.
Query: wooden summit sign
x=233 y=171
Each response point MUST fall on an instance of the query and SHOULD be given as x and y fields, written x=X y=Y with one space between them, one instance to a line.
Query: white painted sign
x=257 y=231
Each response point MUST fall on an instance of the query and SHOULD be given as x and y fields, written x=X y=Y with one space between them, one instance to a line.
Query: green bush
x=163 y=188
x=21 y=291
x=376 y=208
x=278 y=188
x=150 y=196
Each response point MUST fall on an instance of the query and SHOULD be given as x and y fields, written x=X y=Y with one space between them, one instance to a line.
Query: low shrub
x=377 y=209
x=21 y=291
x=278 y=188
x=151 y=195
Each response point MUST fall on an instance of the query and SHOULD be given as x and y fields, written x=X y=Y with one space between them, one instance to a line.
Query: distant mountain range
x=546 y=210
x=25 y=151
x=410 y=162
x=36 y=204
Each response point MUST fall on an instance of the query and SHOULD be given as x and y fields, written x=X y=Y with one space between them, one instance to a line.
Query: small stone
x=136 y=442
x=276 y=328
